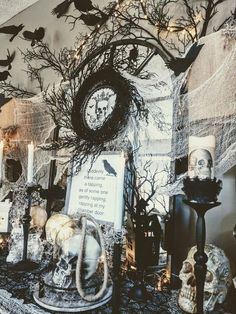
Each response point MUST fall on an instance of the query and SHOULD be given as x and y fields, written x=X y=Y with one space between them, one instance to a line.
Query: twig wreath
x=93 y=112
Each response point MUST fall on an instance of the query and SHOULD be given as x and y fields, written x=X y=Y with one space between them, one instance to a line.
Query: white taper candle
x=30 y=168
x=1 y=158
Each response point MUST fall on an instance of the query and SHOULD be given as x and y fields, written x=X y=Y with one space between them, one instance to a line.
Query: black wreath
x=117 y=120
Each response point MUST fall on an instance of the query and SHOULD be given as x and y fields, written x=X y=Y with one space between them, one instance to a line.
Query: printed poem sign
x=99 y=191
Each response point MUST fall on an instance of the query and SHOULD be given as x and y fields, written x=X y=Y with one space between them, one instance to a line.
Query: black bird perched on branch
x=81 y=5
x=11 y=29
x=7 y=62
x=35 y=36
x=91 y=19
x=109 y=169
x=179 y=65
x=4 y=75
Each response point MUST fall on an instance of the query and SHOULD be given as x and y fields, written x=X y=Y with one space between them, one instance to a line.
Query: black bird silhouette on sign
x=4 y=75
x=35 y=36
x=7 y=62
x=109 y=169
x=12 y=30
x=179 y=65
x=81 y=5
x=91 y=19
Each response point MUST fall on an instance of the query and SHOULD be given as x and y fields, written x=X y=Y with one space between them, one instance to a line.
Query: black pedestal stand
x=200 y=256
x=202 y=196
x=26 y=264
x=116 y=278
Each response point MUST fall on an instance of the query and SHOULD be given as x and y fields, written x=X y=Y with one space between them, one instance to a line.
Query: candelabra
x=25 y=263
x=201 y=196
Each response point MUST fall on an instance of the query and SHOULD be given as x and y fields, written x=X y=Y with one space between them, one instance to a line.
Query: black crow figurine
x=109 y=169
x=179 y=65
x=133 y=55
x=4 y=75
x=7 y=62
x=11 y=29
x=35 y=36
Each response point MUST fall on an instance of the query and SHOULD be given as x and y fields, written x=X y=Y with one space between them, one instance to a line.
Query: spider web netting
x=209 y=106
x=33 y=124
x=206 y=108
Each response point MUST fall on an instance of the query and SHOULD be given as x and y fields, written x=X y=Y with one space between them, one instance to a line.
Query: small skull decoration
x=64 y=273
x=200 y=163
x=218 y=280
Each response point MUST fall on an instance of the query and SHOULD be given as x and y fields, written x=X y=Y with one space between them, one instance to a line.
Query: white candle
x=119 y=213
x=30 y=163
x=201 y=157
x=1 y=159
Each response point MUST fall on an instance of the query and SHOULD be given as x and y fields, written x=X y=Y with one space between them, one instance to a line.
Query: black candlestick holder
x=25 y=264
x=201 y=196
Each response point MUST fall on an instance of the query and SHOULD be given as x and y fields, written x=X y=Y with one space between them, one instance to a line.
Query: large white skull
x=218 y=280
x=65 y=270
x=200 y=163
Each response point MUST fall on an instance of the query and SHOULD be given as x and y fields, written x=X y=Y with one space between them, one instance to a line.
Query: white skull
x=218 y=280
x=200 y=163
x=67 y=262
x=62 y=275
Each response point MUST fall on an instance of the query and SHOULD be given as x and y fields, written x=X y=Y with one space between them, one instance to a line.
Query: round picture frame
x=101 y=107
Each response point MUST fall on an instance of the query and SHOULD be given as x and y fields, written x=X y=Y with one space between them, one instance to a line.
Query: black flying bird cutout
x=109 y=169
x=4 y=75
x=35 y=36
x=12 y=30
x=179 y=65
x=81 y=5
x=7 y=62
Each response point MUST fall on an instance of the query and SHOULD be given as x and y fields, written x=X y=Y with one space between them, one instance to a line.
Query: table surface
x=21 y=286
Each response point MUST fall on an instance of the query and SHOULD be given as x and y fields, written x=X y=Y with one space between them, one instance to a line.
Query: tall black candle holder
x=201 y=196
x=25 y=264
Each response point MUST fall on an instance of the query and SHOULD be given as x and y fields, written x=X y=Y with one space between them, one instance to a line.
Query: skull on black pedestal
x=218 y=280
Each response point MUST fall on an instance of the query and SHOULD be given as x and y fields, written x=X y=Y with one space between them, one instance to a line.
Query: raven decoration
x=92 y=19
x=7 y=62
x=179 y=65
x=109 y=169
x=4 y=75
x=81 y=5
x=35 y=36
x=12 y=30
